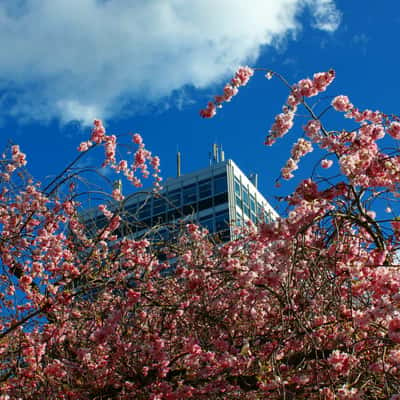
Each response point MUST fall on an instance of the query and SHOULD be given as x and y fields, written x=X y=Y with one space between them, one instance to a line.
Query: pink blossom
x=269 y=75
x=98 y=133
x=341 y=103
x=340 y=361
x=117 y=195
x=301 y=148
x=155 y=162
x=229 y=92
x=394 y=330
x=322 y=79
x=210 y=111
x=283 y=123
x=307 y=88
x=56 y=369
x=394 y=130
x=243 y=75
x=18 y=157
x=133 y=296
x=137 y=138
x=326 y=163
x=312 y=129
x=290 y=166
x=84 y=146
x=25 y=281
x=241 y=78
x=319 y=83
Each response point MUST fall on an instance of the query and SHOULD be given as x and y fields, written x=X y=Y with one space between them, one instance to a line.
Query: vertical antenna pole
x=222 y=153
x=178 y=163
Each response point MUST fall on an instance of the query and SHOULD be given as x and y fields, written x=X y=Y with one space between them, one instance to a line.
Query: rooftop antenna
x=178 y=163
x=215 y=153
x=256 y=180
x=222 y=154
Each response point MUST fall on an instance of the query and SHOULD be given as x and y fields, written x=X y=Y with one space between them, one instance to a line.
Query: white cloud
x=75 y=59
x=74 y=110
x=326 y=16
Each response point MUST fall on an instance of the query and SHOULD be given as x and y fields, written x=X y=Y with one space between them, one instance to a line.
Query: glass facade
x=203 y=198
x=184 y=203
x=248 y=206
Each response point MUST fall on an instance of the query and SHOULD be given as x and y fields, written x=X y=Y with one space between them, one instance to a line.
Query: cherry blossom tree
x=307 y=306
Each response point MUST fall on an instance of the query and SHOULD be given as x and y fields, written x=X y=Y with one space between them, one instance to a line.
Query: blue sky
x=150 y=66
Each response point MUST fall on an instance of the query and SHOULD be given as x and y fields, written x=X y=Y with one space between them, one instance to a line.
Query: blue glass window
x=260 y=210
x=220 y=184
x=245 y=196
x=159 y=206
x=238 y=201
x=237 y=187
x=222 y=221
x=190 y=194
x=205 y=189
x=208 y=223
x=252 y=204
x=145 y=210
x=174 y=199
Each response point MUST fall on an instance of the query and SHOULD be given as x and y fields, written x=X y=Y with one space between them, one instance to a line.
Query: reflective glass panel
x=190 y=194
x=205 y=189
x=220 y=184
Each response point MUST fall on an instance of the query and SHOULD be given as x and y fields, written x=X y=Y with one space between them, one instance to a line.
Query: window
x=173 y=215
x=245 y=196
x=252 y=204
x=159 y=206
x=159 y=219
x=146 y=223
x=132 y=208
x=222 y=221
x=204 y=204
x=189 y=194
x=221 y=199
x=237 y=187
x=220 y=184
x=164 y=234
x=238 y=201
x=144 y=211
x=208 y=223
x=268 y=217
x=205 y=189
x=174 y=199
x=260 y=210
x=189 y=209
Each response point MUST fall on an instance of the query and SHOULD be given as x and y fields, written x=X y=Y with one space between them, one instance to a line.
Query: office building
x=218 y=198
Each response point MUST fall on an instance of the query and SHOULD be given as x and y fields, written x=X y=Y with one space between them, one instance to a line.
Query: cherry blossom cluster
x=17 y=160
x=299 y=149
x=18 y=157
x=141 y=158
x=241 y=78
x=304 y=307
x=304 y=88
x=343 y=104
